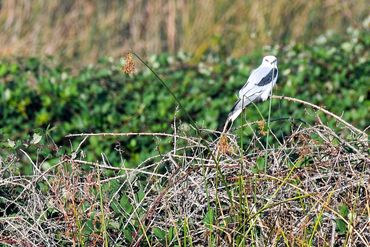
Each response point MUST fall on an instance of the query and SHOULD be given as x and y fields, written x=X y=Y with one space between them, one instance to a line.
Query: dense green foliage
x=37 y=96
x=77 y=201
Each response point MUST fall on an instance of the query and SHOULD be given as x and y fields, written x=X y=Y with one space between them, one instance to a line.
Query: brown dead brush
x=310 y=189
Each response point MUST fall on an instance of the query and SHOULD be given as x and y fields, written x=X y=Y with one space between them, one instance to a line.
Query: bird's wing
x=257 y=81
x=271 y=78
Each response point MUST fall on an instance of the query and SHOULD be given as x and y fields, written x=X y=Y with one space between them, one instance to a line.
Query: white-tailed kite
x=257 y=88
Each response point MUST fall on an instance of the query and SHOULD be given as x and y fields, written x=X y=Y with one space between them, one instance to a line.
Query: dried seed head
x=261 y=126
x=129 y=65
x=223 y=145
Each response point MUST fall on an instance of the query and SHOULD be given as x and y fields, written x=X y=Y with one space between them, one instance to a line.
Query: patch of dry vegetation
x=89 y=29
x=309 y=188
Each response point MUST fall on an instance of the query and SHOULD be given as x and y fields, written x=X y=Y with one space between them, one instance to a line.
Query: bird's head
x=270 y=60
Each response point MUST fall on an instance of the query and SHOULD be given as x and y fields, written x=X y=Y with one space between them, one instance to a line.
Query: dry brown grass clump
x=310 y=188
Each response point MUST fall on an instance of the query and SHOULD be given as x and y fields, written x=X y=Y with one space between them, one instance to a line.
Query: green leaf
x=140 y=195
x=341 y=226
x=171 y=233
x=88 y=228
x=343 y=210
x=125 y=204
x=160 y=234
x=208 y=219
x=128 y=234
x=3 y=69
x=261 y=163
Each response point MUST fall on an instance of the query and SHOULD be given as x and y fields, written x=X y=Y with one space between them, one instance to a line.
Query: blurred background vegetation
x=84 y=30
x=204 y=50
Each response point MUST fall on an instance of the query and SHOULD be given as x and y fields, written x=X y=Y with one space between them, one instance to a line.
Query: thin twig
x=321 y=109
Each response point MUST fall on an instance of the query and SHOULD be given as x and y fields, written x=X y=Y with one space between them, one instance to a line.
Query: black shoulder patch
x=268 y=78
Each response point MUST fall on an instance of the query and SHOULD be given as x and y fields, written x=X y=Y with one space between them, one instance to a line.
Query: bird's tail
x=235 y=112
x=237 y=109
x=227 y=126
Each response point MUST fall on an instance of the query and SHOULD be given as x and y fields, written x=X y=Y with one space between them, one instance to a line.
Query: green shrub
x=54 y=100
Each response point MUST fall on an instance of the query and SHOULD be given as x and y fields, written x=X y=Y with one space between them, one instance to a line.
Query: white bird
x=257 y=88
